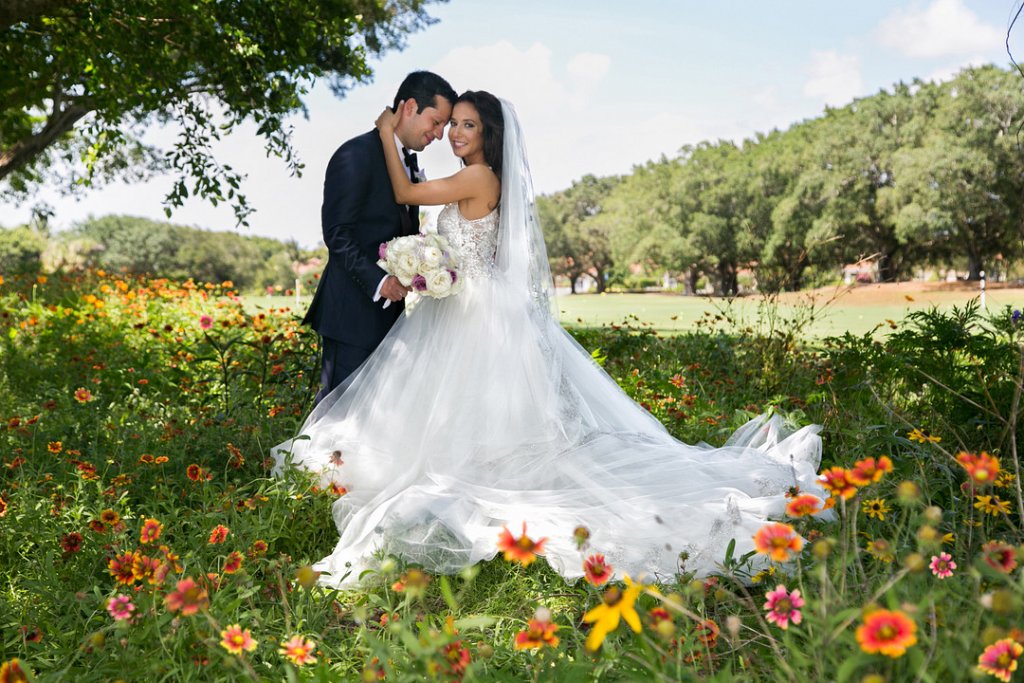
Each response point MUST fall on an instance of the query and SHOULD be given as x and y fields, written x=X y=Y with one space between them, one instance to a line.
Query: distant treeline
x=925 y=176
x=136 y=245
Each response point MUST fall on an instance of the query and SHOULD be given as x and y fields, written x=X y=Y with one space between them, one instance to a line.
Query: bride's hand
x=388 y=120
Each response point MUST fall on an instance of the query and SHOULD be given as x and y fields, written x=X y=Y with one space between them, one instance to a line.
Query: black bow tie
x=410 y=161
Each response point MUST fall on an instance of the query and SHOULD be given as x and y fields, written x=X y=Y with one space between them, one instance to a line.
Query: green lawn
x=858 y=311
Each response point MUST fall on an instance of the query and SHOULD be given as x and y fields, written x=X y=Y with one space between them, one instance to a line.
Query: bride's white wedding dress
x=478 y=411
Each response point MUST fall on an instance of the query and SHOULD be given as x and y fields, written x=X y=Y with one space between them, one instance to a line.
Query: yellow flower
x=921 y=437
x=875 y=507
x=618 y=604
x=992 y=505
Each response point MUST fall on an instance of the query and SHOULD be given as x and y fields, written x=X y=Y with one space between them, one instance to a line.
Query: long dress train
x=478 y=411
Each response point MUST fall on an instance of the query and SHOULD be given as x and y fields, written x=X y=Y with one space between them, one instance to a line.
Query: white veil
x=522 y=258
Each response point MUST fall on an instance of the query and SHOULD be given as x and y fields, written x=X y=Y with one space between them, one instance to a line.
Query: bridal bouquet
x=423 y=262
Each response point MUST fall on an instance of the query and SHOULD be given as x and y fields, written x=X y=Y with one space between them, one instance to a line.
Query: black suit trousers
x=338 y=361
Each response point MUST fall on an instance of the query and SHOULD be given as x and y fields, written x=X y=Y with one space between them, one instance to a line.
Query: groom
x=356 y=302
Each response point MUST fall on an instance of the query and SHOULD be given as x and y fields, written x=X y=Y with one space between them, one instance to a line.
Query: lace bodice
x=474 y=241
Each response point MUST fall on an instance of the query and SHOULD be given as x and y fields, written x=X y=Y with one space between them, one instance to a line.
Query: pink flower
x=120 y=607
x=942 y=565
x=419 y=283
x=783 y=607
x=382 y=251
x=205 y=322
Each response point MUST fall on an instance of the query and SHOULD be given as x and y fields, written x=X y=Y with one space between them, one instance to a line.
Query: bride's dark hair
x=489 y=108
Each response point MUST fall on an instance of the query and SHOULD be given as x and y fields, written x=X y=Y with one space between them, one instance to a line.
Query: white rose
x=406 y=262
x=404 y=276
x=432 y=256
x=439 y=282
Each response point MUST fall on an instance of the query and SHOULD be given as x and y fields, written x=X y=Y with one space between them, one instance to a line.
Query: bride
x=479 y=412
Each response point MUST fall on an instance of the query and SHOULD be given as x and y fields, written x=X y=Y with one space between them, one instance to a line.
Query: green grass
x=674 y=314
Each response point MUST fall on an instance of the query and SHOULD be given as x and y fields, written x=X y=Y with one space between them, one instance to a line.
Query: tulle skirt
x=479 y=412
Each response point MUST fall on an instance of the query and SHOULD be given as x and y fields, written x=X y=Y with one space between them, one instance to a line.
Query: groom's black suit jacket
x=359 y=212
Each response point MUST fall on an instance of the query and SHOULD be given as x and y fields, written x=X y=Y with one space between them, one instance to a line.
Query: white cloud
x=943 y=28
x=588 y=68
x=834 y=78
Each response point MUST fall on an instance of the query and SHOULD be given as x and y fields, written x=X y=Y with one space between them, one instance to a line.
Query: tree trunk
x=975 y=265
x=690 y=281
x=887 y=271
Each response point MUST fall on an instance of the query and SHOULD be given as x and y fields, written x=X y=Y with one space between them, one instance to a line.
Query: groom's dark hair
x=424 y=87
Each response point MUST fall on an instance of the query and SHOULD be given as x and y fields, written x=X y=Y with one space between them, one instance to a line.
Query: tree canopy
x=79 y=80
x=925 y=175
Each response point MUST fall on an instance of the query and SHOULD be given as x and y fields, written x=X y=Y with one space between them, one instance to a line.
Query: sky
x=599 y=86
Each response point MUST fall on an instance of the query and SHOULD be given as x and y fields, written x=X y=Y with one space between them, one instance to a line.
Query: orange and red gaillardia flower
x=237 y=640
x=870 y=470
x=778 y=541
x=981 y=468
x=887 y=632
x=1000 y=658
x=523 y=550
x=188 y=597
x=233 y=562
x=596 y=570
x=219 y=534
x=538 y=633
x=150 y=531
x=838 y=482
x=298 y=650
x=1000 y=556
x=803 y=505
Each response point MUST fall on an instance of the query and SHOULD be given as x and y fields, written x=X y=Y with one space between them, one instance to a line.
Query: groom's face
x=416 y=130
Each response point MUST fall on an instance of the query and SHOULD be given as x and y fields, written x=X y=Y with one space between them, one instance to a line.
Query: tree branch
x=25 y=150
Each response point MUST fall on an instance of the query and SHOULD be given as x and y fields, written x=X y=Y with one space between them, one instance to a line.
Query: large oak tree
x=79 y=79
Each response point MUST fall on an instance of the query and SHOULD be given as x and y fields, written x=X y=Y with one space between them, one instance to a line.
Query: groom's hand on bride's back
x=393 y=290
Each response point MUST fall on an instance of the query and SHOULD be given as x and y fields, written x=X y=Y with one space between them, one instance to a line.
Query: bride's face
x=466 y=134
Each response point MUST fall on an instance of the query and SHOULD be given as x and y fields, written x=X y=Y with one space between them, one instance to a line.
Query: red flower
x=298 y=650
x=778 y=541
x=982 y=468
x=205 y=322
x=887 y=632
x=233 y=563
x=538 y=633
x=1000 y=658
x=236 y=640
x=187 y=597
x=71 y=543
x=870 y=470
x=596 y=570
x=1000 y=556
x=120 y=567
x=838 y=482
x=523 y=550
x=457 y=657
x=194 y=472
x=11 y=672
x=55 y=447
x=150 y=531
x=803 y=505
x=83 y=395
x=219 y=534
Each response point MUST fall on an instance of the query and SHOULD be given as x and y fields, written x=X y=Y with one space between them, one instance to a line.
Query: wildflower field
x=142 y=538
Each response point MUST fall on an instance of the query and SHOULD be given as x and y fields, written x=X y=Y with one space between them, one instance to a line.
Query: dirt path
x=913 y=293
